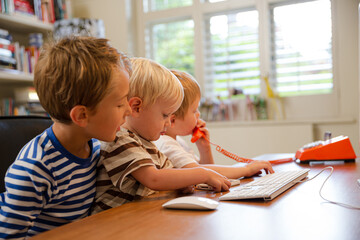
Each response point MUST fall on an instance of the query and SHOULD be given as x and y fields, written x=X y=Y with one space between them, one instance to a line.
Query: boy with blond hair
x=131 y=166
x=82 y=83
x=184 y=120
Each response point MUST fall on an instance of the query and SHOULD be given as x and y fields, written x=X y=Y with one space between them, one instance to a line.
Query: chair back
x=15 y=132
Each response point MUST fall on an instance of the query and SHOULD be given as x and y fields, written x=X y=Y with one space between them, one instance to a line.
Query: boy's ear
x=79 y=115
x=135 y=104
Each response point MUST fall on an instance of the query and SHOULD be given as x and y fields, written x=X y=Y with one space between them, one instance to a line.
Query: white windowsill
x=281 y=122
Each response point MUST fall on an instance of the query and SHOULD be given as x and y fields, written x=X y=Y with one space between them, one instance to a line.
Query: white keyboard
x=267 y=187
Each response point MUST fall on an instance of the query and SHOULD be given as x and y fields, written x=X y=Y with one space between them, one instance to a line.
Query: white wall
x=114 y=13
x=337 y=112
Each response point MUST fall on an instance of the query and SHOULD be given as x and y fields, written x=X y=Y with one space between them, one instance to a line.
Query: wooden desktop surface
x=299 y=213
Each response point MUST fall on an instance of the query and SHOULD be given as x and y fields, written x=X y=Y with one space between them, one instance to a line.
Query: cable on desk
x=320 y=191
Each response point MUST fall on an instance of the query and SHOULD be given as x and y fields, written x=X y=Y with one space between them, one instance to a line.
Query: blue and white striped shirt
x=46 y=187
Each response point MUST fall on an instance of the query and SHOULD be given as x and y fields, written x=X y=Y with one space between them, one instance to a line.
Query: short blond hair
x=191 y=91
x=75 y=71
x=150 y=81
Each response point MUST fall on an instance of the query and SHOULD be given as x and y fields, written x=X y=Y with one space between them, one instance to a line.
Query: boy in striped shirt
x=131 y=166
x=82 y=83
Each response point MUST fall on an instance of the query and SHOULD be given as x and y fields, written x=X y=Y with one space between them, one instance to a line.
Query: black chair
x=15 y=132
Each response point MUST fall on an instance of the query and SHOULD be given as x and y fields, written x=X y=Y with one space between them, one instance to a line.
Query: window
x=232 y=44
x=171 y=44
x=302 y=48
x=232 y=54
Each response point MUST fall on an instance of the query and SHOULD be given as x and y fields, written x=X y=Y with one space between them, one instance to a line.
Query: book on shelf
x=7 y=62
x=60 y=7
x=23 y=6
x=48 y=11
x=26 y=102
x=7 y=107
x=45 y=10
x=7 y=6
x=7 y=50
x=24 y=59
x=15 y=7
x=17 y=57
x=4 y=41
x=4 y=33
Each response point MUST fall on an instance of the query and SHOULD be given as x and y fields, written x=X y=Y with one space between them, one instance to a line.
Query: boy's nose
x=168 y=122
x=128 y=109
x=197 y=114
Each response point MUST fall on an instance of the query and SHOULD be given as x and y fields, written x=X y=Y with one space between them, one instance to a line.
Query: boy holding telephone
x=183 y=122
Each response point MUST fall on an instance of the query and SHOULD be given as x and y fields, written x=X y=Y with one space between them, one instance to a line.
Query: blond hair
x=150 y=81
x=191 y=92
x=75 y=71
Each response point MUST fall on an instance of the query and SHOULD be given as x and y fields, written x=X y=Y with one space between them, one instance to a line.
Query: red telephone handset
x=197 y=134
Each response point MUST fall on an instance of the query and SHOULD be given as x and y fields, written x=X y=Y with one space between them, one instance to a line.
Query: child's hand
x=255 y=168
x=202 y=142
x=218 y=181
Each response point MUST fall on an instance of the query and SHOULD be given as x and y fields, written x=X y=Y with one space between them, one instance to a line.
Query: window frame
x=296 y=107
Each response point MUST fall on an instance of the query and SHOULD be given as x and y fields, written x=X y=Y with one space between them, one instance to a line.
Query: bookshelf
x=24 y=26
x=20 y=26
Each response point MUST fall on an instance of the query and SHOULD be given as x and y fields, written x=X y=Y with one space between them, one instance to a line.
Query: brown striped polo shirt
x=115 y=184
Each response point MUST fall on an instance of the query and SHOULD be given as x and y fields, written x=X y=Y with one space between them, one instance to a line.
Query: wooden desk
x=299 y=213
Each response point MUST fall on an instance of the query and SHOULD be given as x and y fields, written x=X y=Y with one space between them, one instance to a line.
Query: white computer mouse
x=191 y=203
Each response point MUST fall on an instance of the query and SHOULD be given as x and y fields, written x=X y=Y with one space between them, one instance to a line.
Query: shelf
x=15 y=77
x=23 y=23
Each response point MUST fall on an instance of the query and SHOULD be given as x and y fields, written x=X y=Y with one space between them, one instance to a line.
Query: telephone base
x=334 y=149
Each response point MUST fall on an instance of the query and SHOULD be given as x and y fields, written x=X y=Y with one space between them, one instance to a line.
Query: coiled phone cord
x=244 y=160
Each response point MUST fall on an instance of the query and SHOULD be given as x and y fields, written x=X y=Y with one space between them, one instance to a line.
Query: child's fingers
x=264 y=165
x=268 y=168
x=201 y=123
x=216 y=187
x=226 y=185
x=223 y=186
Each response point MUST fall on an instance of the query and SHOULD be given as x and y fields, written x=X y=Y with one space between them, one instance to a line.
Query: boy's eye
x=165 y=115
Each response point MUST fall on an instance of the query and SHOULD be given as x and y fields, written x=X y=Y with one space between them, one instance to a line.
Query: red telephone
x=337 y=148
x=198 y=134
